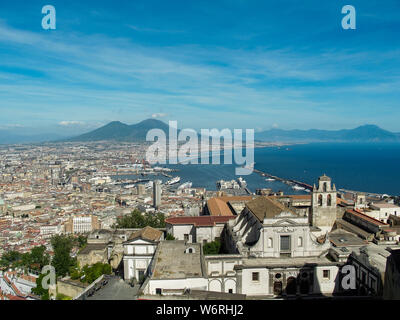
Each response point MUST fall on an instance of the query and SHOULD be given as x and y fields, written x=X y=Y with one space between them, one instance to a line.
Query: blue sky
x=206 y=64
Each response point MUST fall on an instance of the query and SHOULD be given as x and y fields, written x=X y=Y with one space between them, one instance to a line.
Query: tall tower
x=156 y=193
x=323 y=207
x=360 y=201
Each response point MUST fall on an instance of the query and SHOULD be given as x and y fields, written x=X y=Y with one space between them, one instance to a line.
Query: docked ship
x=242 y=183
x=222 y=184
x=270 y=179
x=173 y=181
x=185 y=185
x=296 y=187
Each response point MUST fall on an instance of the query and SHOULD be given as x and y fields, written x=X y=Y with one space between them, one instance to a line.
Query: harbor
x=297 y=185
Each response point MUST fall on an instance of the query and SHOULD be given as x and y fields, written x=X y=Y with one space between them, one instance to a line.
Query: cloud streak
x=92 y=75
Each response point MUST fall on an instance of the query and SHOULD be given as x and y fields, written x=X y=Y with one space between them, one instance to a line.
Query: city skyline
x=227 y=64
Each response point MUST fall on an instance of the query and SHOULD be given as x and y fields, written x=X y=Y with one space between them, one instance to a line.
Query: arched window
x=329 y=202
x=300 y=242
x=190 y=250
x=320 y=200
x=270 y=243
x=324 y=186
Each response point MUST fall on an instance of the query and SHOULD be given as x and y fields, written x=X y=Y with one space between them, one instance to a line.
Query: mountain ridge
x=364 y=133
x=119 y=131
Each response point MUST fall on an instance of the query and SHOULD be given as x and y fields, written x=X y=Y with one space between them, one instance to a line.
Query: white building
x=382 y=211
x=139 y=250
x=177 y=266
x=82 y=224
x=282 y=254
x=50 y=230
x=199 y=229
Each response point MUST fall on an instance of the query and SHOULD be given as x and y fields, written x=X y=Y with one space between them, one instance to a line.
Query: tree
x=10 y=259
x=139 y=220
x=39 y=258
x=169 y=237
x=39 y=290
x=212 y=247
x=36 y=259
x=89 y=274
x=81 y=241
x=62 y=260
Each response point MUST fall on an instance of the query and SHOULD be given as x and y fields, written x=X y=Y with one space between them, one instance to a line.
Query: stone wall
x=70 y=288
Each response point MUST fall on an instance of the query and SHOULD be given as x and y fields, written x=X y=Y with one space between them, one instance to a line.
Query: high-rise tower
x=156 y=193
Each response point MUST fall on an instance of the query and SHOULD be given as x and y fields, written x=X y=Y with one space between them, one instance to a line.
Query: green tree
x=212 y=247
x=39 y=290
x=139 y=220
x=169 y=237
x=39 y=258
x=62 y=260
x=90 y=273
x=10 y=259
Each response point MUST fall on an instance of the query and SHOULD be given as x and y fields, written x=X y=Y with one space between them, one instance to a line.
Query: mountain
x=137 y=132
x=9 y=137
x=365 y=133
x=119 y=131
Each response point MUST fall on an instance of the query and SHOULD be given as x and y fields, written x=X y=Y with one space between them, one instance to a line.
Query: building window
x=329 y=201
x=320 y=200
x=326 y=274
x=300 y=242
x=158 y=291
x=186 y=237
x=270 y=243
x=230 y=290
x=189 y=250
x=256 y=276
x=373 y=285
x=363 y=277
x=285 y=243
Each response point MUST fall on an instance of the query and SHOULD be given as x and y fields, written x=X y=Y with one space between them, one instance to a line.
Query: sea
x=367 y=167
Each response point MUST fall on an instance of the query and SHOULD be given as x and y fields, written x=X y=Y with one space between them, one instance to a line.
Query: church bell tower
x=323 y=206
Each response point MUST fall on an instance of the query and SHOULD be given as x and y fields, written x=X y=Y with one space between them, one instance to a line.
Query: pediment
x=138 y=241
x=285 y=223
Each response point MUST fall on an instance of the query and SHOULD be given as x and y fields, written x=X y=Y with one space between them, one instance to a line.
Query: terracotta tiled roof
x=365 y=217
x=265 y=207
x=295 y=196
x=147 y=233
x=201 y=221
x=218 y=206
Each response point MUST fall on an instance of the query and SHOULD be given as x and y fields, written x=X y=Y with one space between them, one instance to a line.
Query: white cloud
x=159 y=115
x=71 y=123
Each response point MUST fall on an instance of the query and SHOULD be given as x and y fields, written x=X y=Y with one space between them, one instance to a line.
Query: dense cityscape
x=108 y=222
